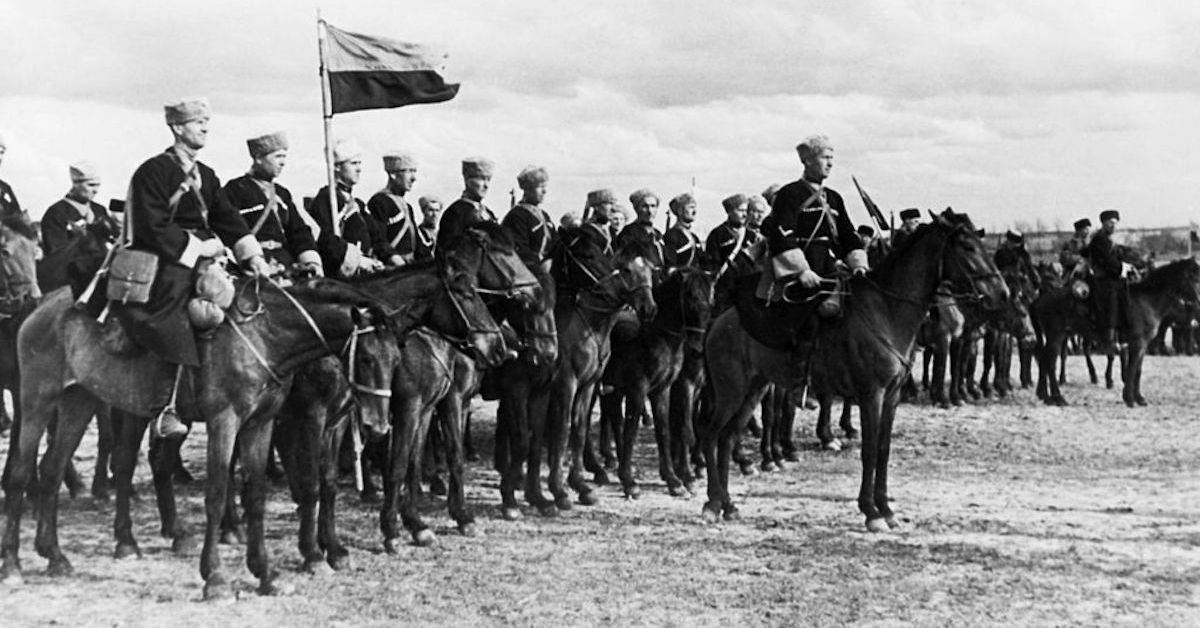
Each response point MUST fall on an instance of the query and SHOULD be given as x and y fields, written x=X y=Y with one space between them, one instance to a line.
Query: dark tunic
x=64 y=222
x=725 y=242
x=532 y=232
x=1073 y=251
x=283 y=233
x=8 y=201
x=642 y=236
x=814 y=220
x=876 y=251
x=681 y=248
x=426 y=243
x=396 y=216
x=1109 y=286
x=1014 y=258
x=358 y=227
x=899 y=237
x=458 y=216
x=161 y=325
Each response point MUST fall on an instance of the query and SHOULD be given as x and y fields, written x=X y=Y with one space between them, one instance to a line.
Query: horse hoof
x=339 y=560
x=233 y=537
x=468 y=529
x=183 y=544
x=276 y=587
x=217 y=590
x=600 y=478
x=892 y=522
x=677 y=491
x=748 y=469
x=632 y=491
x=731 y=514
x=563 y=503
x=877 y=525
x=318 y=567
x=12 y=578
x=437 y=486
x=510 y=514
x=768 y=466
x=392 y=545
x=60 y=568
x=424 y=538
x=1141 y=402
x=709 y=515
x=833 y=445
x=792 y=456
x=548 y=510
x=100 y=494
x=127 y=550
x=690 y=488
x=589 y=499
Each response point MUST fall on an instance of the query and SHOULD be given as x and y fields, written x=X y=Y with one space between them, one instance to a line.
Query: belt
x=271 y=245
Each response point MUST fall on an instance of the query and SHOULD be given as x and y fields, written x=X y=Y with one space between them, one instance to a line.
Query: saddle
x=777 y=324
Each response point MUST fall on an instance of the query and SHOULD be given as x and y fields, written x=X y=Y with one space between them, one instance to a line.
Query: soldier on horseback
x=681 y=247
x=469 y=209
x=391 y=210
x=269 y=209
x=176 y=210
x=600 y=204
x=8 y=199
x=642 y=233
x=65 y=220
x=1110 y=287
x=1072 y=255
x=876 y=248
x=351 y=240
x=431 y=211
x=1013 y=257
x=909 y=220
x=530 y=226
x=729 y=238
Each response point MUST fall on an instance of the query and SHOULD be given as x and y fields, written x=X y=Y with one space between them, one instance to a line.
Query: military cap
x=427 y=200
x=681 y=201
x=866 y=230
x=346 y=150
x=733 y=202
x=397 y=160
x=187 y=109
x=1083 y=222
x=813 y=145
x=910 y=213
x=639 y=196
x=1014 y=236
x=1110 y=214
x=531 y=176
x=83 y=171
x=264 y=145
x=478 y=167
x=599 y=197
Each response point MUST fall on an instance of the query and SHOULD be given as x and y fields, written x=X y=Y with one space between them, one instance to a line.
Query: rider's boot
x=167 y=423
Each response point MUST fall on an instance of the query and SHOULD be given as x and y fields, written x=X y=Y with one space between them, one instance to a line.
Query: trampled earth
x=1013 y=513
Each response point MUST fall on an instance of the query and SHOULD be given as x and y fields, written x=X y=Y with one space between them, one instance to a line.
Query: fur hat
x=264 y=145
x=681 y=201
x=187 y=109
x=397 y=160
x=1110 y=213
x=639 y=196
x=346 y=150
x=531 y=176
x=599 y=197
x=1014 y=236
x=427 y=200
x=866 y=230
x=478 y=167
x=770 y=192
x=910 y=213
x=83 y=171
x=813 y=145
x=733 y=202
x=1083 y=222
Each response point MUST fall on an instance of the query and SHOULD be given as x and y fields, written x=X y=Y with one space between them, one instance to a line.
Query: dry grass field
x=1014 y=514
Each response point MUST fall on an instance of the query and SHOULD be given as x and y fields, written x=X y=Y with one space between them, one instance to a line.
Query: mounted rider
x=876 y=247
x=642 y=235
x=390 y=208
x=431 y=211
x=8 y=199
x=910 y=219
x=1109 y=279
x=176 y=210
x=477 y=178
x=531 y=228
x=728 y=239
x=681 y=247
x=68 y=218
x=1012 y=257
x=1073 y=255
x=269 y=209
x=600 y=204
x=809 y=229
x=356 y=244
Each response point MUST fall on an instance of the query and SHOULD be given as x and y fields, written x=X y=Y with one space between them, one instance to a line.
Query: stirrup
x=167 y=424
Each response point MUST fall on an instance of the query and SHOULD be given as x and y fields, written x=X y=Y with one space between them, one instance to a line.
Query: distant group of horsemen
x=178 y=209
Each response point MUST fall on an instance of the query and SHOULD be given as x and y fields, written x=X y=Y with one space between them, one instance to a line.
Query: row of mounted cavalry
x=303 y=367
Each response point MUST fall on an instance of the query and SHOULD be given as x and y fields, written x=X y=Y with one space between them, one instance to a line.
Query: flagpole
x=327 y=115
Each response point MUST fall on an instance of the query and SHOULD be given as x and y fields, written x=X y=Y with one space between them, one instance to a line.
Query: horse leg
x=20 y=471
x=990 y=351
x=128 y=440
x=970 y=353
x=870 y=408
x=886 y=418
x=453 y=419
x=1091 y=366
x=101 y=482
x=326 y=470
x=559 y=425
x=940 y=351
x=254 y=447
x=406 y=421
x=612 y=432
x=631 y=420
x=1109 y=354
x=824 y=432
x=580 y=437
x=294 y=441
x=164 y=456
x=768 y=416
x=74 y=413
x=954 y=356
x=410 y=491
x=681 y=409
x=845 y=422
x=1025 y=351
x=660 y=407
x=222 y=434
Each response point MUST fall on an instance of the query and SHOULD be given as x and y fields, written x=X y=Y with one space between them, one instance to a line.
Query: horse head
x=635 y=285
x=461 y=316
x=500 y=271
x=371 y=357
x=965 y=263
x=1180 y=278
x=536 y=327
x=687 y=295
x=579 y=260
x=19 y=253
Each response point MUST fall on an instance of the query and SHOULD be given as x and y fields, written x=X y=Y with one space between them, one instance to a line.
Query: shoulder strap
x=269 y=209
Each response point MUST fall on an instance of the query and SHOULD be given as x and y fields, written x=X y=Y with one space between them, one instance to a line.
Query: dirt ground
x=1014 y=514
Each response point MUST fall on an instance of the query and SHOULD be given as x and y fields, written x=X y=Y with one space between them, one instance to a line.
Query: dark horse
x=19 y=294
x=863 y=354
x=646 y=360
x=236 y=391
x=1164 y=291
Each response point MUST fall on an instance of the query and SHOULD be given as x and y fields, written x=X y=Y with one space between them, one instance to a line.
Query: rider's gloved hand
x=809 y=279
x=258 y=266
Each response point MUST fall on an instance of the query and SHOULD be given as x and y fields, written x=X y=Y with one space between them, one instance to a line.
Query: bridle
x=975 y=295
x=462 y=343
x=514 y=288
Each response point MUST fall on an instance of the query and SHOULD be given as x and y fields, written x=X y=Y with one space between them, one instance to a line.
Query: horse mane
x=18 y=224
x=333 y=291
x=393 y=271
x=500 y=238
x=1169 y=277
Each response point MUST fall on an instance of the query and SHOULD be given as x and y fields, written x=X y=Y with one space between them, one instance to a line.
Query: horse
x=19 y=294
x=1012 y=323
x=237 y=390
x=646 y=360
x=1167 y=290
x=863 y=354
x=938 y=334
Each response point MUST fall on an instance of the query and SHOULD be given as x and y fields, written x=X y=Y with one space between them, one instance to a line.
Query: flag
x=367 y=72
x=872 y=208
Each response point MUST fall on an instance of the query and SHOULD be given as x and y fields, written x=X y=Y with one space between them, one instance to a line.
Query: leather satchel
x=131 y=275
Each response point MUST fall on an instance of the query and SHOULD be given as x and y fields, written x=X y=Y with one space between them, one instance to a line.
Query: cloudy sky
x=1016 y=112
